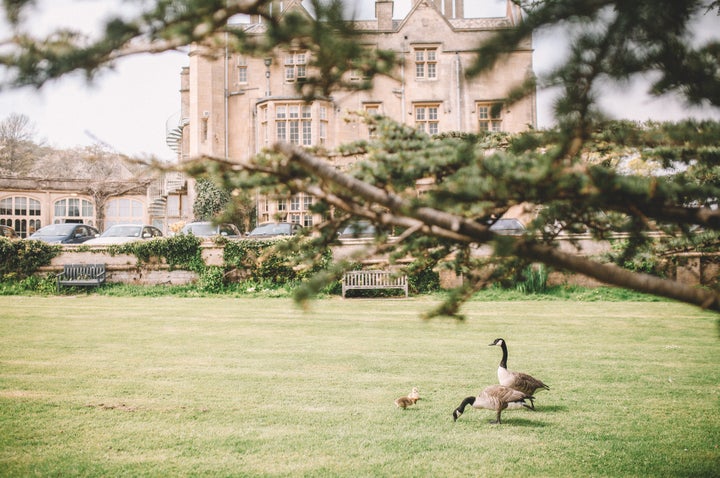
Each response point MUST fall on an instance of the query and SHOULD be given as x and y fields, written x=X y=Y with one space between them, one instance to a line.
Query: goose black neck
x=503 y=362
x=468 y=401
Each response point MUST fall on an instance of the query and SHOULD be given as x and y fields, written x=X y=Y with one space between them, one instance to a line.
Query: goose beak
x=490 y=345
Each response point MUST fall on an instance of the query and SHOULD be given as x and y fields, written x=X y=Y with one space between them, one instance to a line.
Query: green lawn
x=108 y=386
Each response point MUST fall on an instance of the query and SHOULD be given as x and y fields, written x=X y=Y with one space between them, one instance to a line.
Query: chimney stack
x=384 y=14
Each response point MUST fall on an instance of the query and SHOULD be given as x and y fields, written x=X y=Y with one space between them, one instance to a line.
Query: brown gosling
x=404 y=402
x=517 y=380
x=494 y=397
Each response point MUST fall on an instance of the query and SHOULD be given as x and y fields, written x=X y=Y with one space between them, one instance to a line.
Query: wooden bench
x=83 y=275
x=373 y=280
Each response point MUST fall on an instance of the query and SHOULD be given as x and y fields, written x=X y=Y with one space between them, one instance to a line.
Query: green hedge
x=20 y=259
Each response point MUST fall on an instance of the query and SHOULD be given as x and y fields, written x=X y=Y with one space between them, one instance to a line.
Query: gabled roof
x=260 y=28
x=370 y=26
x=295 y=5
x=423 y=4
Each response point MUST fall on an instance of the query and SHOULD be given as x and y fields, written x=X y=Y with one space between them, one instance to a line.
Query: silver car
x=275 y=229
x=209 y=229
x=121 y=233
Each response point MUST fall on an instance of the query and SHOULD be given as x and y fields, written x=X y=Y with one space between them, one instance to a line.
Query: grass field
x=112 y=386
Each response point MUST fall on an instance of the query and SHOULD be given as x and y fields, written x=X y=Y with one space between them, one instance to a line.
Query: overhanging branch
x=468 y=231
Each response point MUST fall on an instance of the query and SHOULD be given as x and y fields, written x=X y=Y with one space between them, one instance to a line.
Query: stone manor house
x=232 y=106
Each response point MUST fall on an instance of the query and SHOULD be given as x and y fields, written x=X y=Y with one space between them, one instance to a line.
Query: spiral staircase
x=171 y=182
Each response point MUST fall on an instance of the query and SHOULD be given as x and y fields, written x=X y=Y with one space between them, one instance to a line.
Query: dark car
x=507 y=227
x=274 y=229
x=208 y=229
x=9 y=232
x=66 y=233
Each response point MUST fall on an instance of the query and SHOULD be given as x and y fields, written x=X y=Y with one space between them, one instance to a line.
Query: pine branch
x=439 y=222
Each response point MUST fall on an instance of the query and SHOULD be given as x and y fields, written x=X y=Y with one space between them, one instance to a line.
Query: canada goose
x=494 y=397
x=404 y=402
x=414 y=393
x=517 y=380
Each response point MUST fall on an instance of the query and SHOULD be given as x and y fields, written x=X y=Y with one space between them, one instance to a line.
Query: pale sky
x=128 y=107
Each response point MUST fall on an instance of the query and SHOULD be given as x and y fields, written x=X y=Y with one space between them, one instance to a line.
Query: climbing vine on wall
x=181 y=251
x=272 y=260
x=19 y=259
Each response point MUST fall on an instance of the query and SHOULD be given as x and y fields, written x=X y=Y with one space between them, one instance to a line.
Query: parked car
x=274 y=229
x=507 y=227
x=9 y=232
x=120 y=233
x=358 y=229
x=66 y=233
x=208 y=229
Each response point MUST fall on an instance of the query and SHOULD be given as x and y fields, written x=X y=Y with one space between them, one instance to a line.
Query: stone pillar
x=450 y=8
x=449 y=279
x=459 y=9
x=689 y=273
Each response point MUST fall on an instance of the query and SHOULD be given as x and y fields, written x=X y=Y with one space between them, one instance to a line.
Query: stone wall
x=123 y=268
x=692 y=269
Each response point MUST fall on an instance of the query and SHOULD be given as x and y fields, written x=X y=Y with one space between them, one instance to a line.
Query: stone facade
x=233 y=105
x=88 y=186
x=29 y=203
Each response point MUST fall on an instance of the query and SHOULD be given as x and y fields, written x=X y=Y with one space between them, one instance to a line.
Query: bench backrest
x=89 y=270
x=374 y=278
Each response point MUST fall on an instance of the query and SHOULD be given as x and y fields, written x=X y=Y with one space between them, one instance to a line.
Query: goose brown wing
x=503 y=394
x=527 y=383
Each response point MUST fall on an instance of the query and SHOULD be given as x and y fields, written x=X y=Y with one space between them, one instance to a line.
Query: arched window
x=75 y=210
x=21 y=213
x=123 y=211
